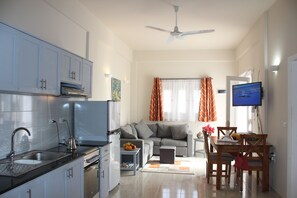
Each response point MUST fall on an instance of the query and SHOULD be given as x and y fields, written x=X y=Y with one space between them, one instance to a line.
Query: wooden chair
x=211 y=159
x=226 y=130
x=252 y=155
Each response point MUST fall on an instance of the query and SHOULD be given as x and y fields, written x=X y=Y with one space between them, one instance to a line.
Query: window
x=181 y=99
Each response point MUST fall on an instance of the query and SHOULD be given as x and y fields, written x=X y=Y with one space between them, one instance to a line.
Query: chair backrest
x=226 y=130
x=253 y=146
x=206 y=145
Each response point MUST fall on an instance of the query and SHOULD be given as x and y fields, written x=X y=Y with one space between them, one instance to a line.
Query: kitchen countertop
x=7 y=183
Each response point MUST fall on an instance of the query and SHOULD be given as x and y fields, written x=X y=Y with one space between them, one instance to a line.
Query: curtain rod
x=180 y=78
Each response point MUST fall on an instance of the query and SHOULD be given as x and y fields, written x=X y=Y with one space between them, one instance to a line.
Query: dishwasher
x=91 y=171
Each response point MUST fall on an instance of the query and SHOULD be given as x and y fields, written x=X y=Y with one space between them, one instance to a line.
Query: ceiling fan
x=178 y=34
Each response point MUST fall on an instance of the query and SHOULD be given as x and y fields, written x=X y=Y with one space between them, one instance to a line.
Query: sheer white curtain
x=181 y=99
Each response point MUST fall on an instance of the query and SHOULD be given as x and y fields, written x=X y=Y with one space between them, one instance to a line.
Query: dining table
x=234 y=147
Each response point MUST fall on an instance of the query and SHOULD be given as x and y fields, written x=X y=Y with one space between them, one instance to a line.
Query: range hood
x=68 y=89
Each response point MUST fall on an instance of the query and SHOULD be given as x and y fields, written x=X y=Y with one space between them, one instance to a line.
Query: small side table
x=135 y=154
x=196 y=151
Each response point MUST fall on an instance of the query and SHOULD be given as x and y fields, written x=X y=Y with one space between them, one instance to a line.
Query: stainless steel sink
x=43 y=156
x=23 y=163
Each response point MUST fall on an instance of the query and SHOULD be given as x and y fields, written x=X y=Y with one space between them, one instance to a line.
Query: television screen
x=249 y=94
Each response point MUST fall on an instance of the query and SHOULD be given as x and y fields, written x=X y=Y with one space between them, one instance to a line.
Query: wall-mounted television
x=248 y=94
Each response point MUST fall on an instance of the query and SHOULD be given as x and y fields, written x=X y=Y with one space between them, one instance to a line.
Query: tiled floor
x=158 y=185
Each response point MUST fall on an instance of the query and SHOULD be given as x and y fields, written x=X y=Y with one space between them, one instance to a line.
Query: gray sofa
x=150 y=137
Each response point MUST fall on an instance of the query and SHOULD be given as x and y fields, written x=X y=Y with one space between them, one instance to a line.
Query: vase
x=200 y=135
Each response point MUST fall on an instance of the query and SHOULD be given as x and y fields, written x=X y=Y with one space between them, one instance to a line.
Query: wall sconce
x=107 y=76
x=274 y=68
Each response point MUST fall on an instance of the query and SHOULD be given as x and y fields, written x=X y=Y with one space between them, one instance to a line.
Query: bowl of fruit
x=129 y=146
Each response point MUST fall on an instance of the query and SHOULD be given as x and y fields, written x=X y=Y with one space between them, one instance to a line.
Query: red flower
x=208 y=129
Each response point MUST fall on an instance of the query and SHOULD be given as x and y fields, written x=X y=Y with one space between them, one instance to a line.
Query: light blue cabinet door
x=87 y=77
x=48 y=69
x=71 y=68
x=76 y=66
x=34 y=188
x=74 y=179
x=7 y=64
x=55 y=185
x=27 y=62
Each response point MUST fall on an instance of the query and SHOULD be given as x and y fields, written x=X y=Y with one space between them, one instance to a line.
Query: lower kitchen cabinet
x=104 y=153
x=66 y=181
x=32 y=189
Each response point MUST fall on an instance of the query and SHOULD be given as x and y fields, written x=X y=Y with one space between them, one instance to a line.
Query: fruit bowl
x=129 y=146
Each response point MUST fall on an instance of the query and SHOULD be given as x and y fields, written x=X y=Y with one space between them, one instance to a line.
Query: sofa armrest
x=190 y=141
x=139 y=143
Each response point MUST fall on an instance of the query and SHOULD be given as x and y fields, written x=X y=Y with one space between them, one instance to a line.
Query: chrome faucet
x=12 y=152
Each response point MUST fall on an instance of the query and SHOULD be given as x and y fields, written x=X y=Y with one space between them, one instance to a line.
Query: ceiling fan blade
x=155 y=28
x=196 y=32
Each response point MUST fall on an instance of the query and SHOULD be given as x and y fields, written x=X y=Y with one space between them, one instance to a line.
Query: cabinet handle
x=30 y=193
x=72 y=172
x=102 y=174
x=74 y=75
x=42 y=82
x=68 y=173
x=45 y=84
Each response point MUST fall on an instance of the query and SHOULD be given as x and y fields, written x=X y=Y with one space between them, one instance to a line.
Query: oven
x=91 y=171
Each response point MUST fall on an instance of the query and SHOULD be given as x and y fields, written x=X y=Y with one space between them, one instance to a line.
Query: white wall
x=179 y=64
x=282 y=43
x=66 y=24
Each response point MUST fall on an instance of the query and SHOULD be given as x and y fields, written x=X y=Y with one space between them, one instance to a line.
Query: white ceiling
x=231 y=20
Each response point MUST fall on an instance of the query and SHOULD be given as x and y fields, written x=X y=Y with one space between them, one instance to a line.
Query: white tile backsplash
x=34 y=113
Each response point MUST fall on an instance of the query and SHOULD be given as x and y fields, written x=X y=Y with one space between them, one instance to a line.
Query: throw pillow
x=134 y=131
x=164 y=131
x=126 y=132
x=179 y=132
x=143 y=130
x=154 y=129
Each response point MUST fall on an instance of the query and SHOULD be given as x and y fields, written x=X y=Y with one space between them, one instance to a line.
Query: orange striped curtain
x=207 y=107
x=156 y=108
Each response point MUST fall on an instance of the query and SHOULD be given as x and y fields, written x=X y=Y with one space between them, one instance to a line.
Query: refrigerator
x=96 y=122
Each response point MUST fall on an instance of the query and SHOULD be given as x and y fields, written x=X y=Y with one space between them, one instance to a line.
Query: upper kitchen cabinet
x=27 y=63
x=37 y=64
x=7 y=64
x=49 y=69
x=87 y=77
x=71 y=68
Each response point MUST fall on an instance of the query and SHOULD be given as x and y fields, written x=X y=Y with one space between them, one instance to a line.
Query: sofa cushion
x=164 y=131
x=127 y=133
x=172 y=142
x=134 y=131
x=154 y=129
x=143 y=130
x=179 y=132
x=156 y=140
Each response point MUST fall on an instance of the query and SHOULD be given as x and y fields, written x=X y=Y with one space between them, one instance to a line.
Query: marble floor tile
x=162 y=185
